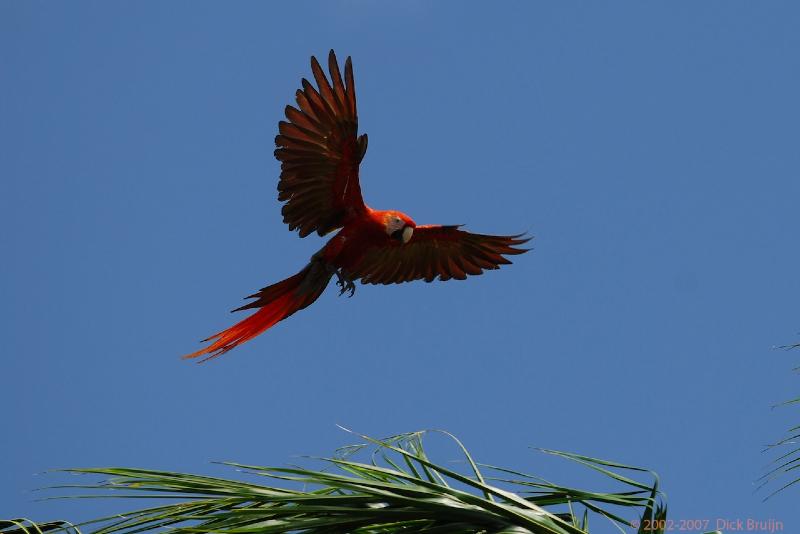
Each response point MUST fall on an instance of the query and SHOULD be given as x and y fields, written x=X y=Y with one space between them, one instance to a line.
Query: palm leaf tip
x=787 y=462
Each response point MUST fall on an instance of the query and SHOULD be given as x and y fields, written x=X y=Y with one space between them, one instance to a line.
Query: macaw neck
x=381 y=216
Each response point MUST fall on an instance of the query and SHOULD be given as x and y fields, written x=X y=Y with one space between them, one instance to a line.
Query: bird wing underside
x=436 y=251
x=320 y=151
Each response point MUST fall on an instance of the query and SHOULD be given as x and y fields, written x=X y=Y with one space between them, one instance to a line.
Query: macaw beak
x=407 y=233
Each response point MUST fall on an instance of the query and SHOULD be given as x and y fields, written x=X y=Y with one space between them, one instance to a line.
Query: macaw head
x=399 y=226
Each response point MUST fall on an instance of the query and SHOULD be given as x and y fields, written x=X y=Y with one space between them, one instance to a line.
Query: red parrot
x=320 y=150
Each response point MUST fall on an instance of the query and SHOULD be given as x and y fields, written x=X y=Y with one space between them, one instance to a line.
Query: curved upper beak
x=407 y=233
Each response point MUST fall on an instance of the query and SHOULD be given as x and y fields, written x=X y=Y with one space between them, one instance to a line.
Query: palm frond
x=26 y=526
x=394 y=488
x=788 y=463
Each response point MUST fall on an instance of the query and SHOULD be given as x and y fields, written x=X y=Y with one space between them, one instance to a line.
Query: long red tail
x=275 y=303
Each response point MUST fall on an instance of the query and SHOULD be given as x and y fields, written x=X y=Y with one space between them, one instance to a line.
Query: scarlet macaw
x=320 y=150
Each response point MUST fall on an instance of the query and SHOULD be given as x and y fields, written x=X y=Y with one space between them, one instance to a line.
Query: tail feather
x=274 y=303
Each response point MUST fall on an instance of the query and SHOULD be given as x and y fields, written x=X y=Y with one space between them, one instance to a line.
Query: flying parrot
x=320 y=150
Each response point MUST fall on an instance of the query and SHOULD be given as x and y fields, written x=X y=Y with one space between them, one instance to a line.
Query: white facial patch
x=393 y=224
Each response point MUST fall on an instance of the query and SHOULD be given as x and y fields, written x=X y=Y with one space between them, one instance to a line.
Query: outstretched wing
x=433 y=250
x=319 y=150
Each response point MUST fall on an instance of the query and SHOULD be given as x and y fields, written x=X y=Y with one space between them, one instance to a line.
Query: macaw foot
x=345 y=284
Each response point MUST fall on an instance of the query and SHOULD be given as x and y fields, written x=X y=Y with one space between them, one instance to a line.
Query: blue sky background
x=651 y=148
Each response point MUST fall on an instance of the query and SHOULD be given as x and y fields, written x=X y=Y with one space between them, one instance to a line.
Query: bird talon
x=345 y=284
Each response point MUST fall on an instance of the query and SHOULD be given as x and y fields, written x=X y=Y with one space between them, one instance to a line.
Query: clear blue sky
x=651 y=148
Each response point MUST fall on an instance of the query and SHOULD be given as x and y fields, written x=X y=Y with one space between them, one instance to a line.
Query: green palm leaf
x=395 y=488
x=26 y=526
x=788 y=463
